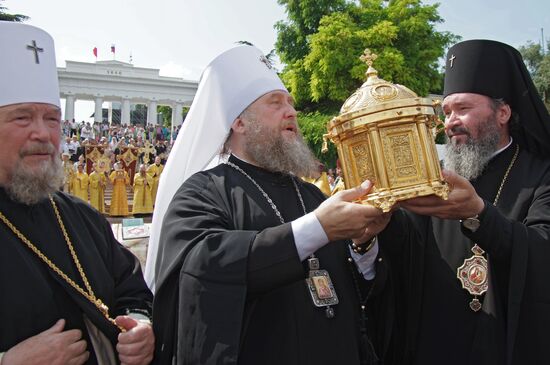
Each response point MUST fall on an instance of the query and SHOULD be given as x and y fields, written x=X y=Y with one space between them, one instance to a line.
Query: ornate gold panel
x=383 y=134
x=404 y=159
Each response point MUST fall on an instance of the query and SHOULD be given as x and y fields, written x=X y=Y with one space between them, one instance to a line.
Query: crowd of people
x=114 y=134
x=328 y=181
x=89 y=180
x=116 y=141
x=250 y=264
x=92 y=187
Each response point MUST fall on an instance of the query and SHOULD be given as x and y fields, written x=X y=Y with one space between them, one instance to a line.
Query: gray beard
x=30 y=186
x=275 y=153
x=470 y=158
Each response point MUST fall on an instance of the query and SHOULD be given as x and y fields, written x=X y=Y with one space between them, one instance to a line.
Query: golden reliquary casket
x=385 y=133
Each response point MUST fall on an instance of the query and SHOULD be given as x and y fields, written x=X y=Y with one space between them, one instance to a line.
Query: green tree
x=303 y=20
x=166 y=113
x=538 y=65
x=292 y=43
x=313 y=126
x=321 y=42
x=532 y=55
x=401 y=32
x=11 y=17
x=542 y=80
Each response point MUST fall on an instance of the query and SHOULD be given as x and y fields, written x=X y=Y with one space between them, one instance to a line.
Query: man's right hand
x=52 y=347
x=341 y=218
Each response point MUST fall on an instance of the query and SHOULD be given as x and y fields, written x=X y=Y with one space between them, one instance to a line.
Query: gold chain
x=506 y=175
x=90 y=293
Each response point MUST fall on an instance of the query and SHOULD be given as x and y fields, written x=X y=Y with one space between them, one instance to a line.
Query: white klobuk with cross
x=36 y=50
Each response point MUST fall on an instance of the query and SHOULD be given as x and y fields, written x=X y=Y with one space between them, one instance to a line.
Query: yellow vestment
x=339 y=186
x=143 y=203
x=68 y=174
x=119 y=199
x=154 y=171
x=98 y=181
x=80 y=185
x=322 y=183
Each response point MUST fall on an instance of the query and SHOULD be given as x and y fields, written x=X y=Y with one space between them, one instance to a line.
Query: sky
x=180 y=37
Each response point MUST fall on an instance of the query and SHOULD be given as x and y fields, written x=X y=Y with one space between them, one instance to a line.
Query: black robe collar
x=489 y=181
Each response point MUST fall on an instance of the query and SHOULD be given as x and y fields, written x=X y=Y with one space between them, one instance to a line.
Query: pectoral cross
x=35 y=49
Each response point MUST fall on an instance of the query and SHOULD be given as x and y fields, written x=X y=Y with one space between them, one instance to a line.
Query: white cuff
x=309 y=235
x=366 y=263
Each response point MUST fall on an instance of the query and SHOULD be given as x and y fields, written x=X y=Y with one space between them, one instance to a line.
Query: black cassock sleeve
x=205 y=233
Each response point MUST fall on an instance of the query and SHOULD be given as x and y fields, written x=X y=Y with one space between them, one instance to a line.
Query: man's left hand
x=136 y=345
x=463 y=201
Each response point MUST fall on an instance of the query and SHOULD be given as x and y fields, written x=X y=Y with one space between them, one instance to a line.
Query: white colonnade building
x=121 y=82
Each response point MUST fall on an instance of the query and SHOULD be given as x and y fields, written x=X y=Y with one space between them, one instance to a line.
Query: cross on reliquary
x=368 y=57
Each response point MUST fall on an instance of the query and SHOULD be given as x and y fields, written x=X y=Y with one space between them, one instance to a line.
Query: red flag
x=95 y=52
x=112 y=48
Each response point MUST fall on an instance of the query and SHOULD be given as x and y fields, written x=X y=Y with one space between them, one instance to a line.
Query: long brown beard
x=31 y=185
x=274 y=152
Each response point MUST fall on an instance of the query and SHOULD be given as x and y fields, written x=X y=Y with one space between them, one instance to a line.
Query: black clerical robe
x=34 y=298
x=231 y=286
x=512 y=327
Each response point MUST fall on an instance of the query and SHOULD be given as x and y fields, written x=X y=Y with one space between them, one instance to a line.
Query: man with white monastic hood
x=253 y=265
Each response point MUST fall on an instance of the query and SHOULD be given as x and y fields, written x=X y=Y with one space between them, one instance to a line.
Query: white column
x=98 y=113
x=110 y=113
x=152 y=113
x=125 y=113
x=69 y=107
x=177 y=110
